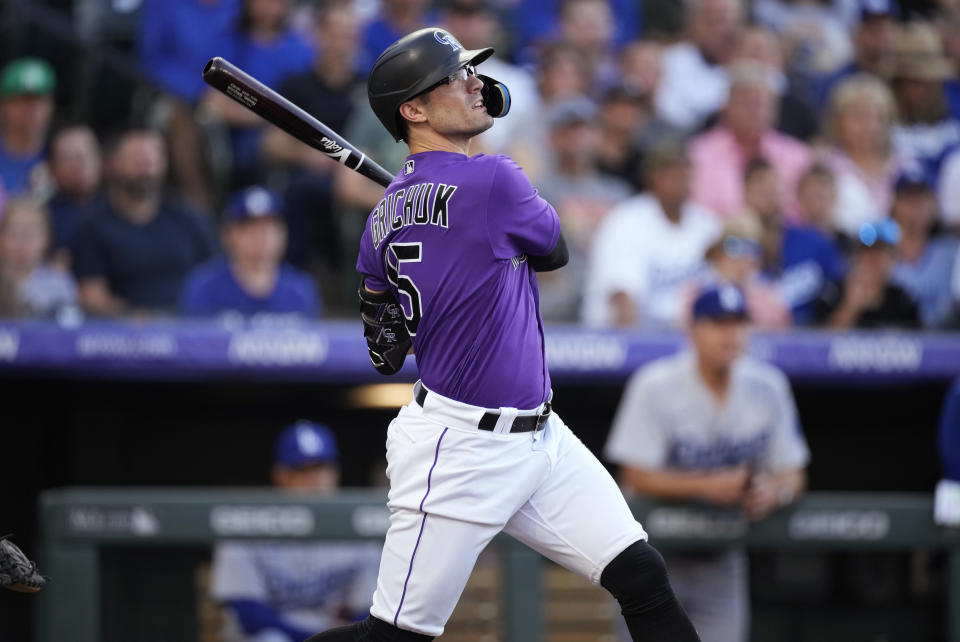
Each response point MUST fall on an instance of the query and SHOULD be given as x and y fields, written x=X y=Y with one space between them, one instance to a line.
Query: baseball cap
x=881 y=233
x=665 y=153
x=27 y=76
x=252 y=202
x=468 y=7
x=304 y=443
x=722 y=302
x=911 y=178
x=575 y=110
x=919 y=54
x=878 y=8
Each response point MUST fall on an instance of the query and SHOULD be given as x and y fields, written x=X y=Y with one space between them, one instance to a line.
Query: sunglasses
x=460 y=74
x=738 y=248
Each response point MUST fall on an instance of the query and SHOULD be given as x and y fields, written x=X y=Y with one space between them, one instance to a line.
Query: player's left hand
x=761 y=497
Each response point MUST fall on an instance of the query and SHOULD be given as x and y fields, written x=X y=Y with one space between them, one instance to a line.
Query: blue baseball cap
x=305 y=443
x=252 y=202
x=913 y=177
x=885 y=232
x=879 y=8
x=721 y=302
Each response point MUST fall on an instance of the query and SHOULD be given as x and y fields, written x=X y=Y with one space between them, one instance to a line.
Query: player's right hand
x=726 y=486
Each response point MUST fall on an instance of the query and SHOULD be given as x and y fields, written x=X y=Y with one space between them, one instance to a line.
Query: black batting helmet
x=416 y=63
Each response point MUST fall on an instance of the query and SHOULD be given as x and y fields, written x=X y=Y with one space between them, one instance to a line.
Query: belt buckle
x=542 y=415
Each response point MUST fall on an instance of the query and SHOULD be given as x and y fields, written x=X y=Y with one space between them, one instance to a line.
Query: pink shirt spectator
x=719 y=162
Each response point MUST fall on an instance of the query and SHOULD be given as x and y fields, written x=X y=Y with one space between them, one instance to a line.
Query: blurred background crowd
x=805 y=150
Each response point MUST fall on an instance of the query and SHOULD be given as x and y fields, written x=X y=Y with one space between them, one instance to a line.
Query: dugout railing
x=78 y=523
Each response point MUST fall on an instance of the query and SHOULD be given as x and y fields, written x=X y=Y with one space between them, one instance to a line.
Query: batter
x=448 y=262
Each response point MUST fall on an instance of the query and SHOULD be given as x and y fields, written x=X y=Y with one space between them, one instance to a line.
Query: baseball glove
x=17 y=572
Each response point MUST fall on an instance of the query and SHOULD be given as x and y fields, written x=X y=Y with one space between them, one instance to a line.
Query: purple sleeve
x=369 y=264
x=518 y=220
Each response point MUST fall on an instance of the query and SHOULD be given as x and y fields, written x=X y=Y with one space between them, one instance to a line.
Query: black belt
x=524 y=423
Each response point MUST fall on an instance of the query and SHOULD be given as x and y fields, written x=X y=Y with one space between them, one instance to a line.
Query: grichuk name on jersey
x=419 y=204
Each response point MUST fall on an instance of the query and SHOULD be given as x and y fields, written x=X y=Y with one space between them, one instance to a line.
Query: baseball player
x=283 y=591
x=448 y=261
x=712 y=425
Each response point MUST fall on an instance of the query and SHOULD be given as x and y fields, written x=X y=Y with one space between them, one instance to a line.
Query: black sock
x=369 y=630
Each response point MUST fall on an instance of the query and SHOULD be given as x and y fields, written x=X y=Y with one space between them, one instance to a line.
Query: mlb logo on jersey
x=408 y=168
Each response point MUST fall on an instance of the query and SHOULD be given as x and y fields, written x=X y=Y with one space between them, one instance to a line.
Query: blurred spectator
x=695 y=83
x=720 y=155
x=286 y=591
x=623 y=118
x=925 y=261
x=251 y=280
x=857 y=130
x=800 y=260
x=395 y=19
x=589 y=25
x=817 y=202
x=949 y=23
x=926 y=129
x=713 y=426
x=177 y=38
x=563 y=72
x=795 y=116
x=263 y=45
x=132 y=254
x=28 y=286
x=948 y=190
x=815 y=35
x=648 y=247
x=474 y=23
x=26 y=109
x=76 y=170
x=874 y=38
x=641 y=66
x=325 y=91
x=868 y=298
x=736 y=259
x=582 y=197
x=947 y=497
x=330 y=91
x=536 y=22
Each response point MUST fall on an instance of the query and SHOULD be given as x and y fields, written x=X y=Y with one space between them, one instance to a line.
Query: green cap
x=27 y=76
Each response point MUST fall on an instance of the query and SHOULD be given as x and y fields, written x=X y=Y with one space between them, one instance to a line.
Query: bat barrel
x=226 y=77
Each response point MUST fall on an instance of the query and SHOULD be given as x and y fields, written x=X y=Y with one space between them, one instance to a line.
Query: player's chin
x=482 y=123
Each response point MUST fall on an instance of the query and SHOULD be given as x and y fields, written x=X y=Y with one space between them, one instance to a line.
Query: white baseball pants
x=453 y=487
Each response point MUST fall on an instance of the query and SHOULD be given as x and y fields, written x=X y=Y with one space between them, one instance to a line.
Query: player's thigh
x=426 y=562
x=577 y=516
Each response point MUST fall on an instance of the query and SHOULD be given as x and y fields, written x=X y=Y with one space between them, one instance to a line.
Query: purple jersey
x=450 y=240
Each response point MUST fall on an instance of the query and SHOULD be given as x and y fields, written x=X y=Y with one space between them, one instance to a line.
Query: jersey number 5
x=397 y=255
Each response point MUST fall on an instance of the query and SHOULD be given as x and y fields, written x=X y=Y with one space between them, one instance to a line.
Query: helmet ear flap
x=496 y=96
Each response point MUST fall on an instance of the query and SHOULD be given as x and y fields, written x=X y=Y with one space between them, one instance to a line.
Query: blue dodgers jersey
x=809 y=260
x=211 y=289
x=450 y=239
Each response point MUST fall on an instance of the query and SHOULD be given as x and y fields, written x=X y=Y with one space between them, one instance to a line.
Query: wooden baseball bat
x=274 y=108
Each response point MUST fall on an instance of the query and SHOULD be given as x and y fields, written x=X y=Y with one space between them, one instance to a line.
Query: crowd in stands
x=807 y=151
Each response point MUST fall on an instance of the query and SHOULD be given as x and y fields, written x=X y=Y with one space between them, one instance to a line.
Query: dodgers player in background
x=713 y=425
x=284 y=591
x=448 y=262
